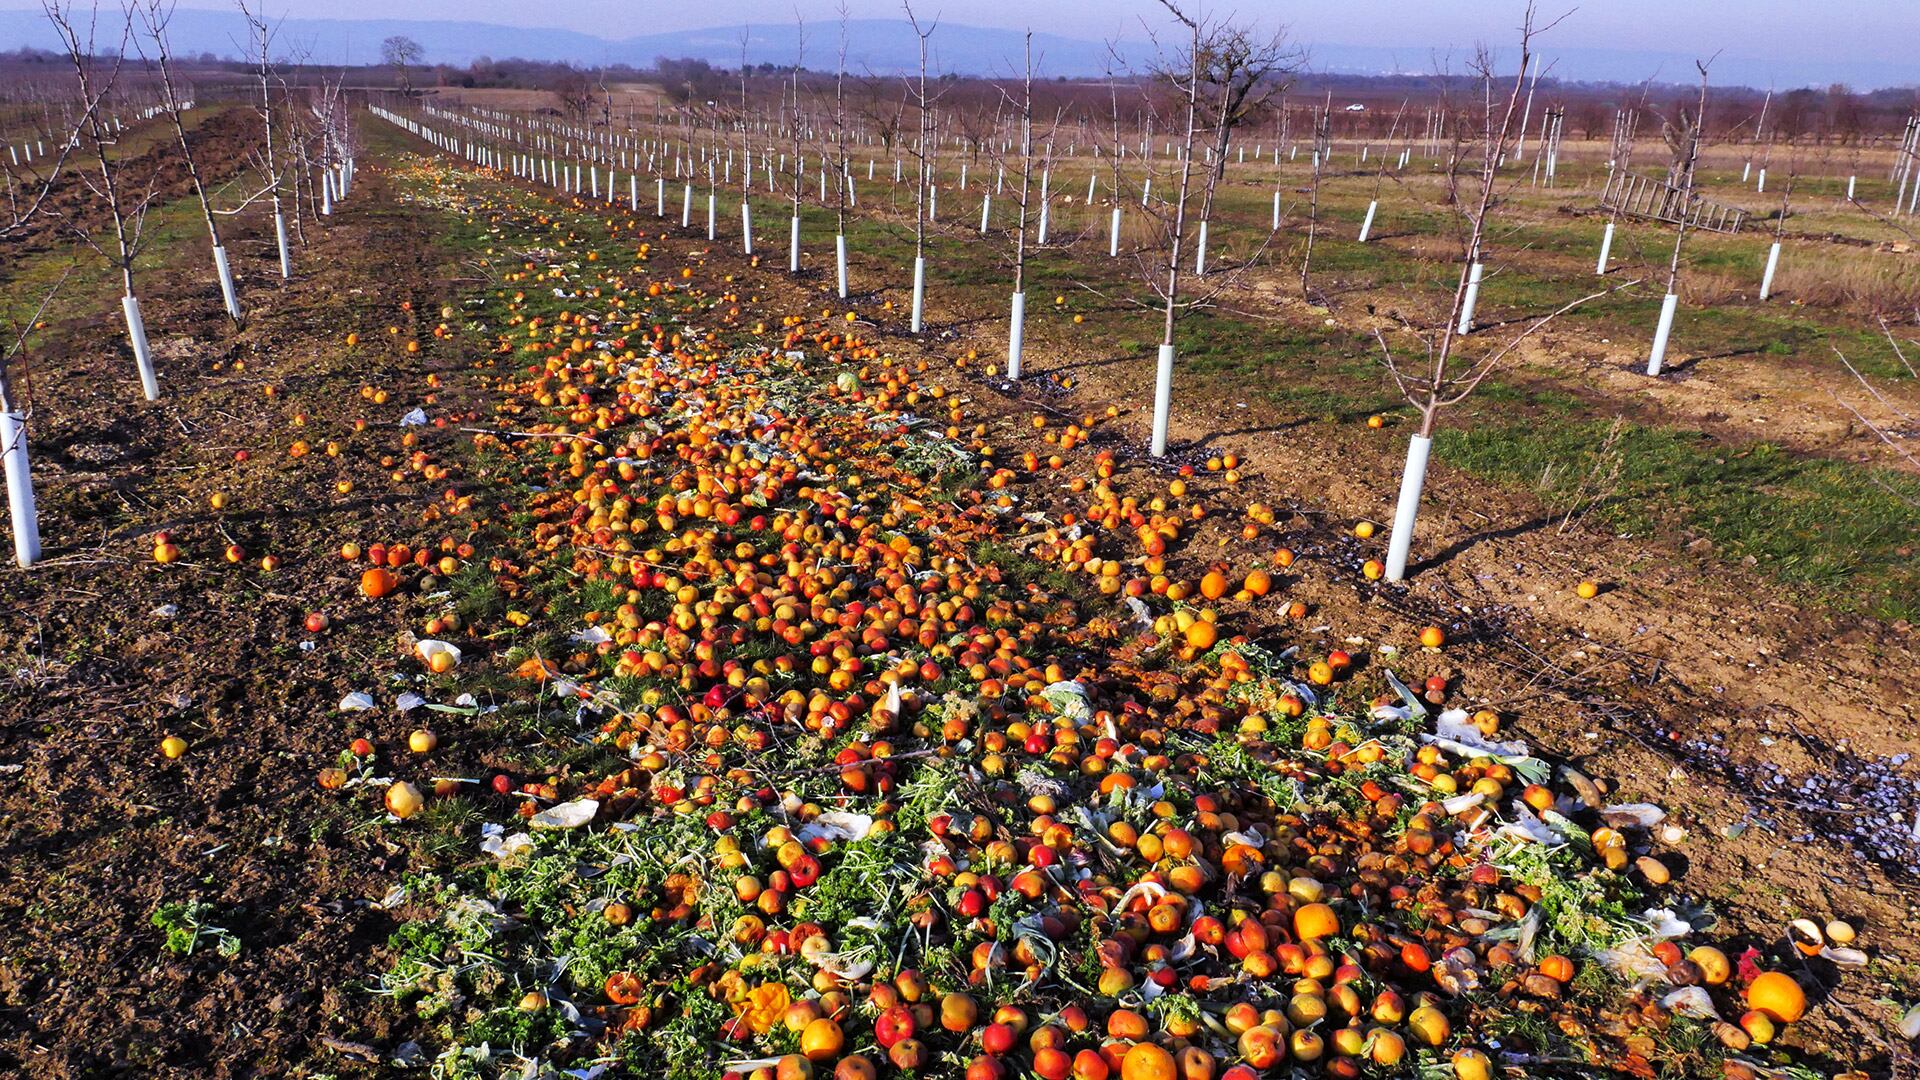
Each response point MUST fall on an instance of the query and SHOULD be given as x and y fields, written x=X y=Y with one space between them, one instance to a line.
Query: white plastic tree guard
x=228 y=295
x=793 y=245
x=280 y=238
x=1162 y=399
x=1606 y=250
x=1658 y=355
x=840 y=262
x=1016 y=333
x=1200 y=252
x=919 y=290
x=26 y=518
x=1773 y=263
x=1113 y=235
x=1412 y=480
x=746 y=226
x=1366 y=226
x=142 y=356
x=1474 y=273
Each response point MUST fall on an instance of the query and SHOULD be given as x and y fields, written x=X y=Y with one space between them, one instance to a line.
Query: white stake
x=1016 y=333
x=26 y=519
x=1658 y=355
x=137 y=334
x=1411 y=481
x=1162 y=399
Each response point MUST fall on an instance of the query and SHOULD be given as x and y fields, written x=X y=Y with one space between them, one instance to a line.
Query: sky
x=1837 y=35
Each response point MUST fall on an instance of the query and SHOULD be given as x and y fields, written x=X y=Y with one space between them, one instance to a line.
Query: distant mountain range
x=889 y=46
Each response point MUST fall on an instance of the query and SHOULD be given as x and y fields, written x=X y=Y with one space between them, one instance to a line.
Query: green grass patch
x=1843 y=533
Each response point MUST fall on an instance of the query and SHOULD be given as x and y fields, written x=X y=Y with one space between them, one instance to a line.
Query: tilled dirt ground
x=1688 y=683
x=105 y=652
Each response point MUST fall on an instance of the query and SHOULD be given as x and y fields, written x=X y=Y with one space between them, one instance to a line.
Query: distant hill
x=887 y=46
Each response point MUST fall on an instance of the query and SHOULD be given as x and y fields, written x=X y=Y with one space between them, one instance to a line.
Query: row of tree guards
x=1220 y=78
x=304 y=163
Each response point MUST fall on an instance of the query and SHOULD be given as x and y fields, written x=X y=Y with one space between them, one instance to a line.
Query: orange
x=378 y=582
x=822 y=1040
x=1148 y=1062
x=1315 y=921
x=1202 y=635
x=1778 y=996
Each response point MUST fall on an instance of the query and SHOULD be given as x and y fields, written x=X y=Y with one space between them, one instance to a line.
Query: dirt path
x=104 y=653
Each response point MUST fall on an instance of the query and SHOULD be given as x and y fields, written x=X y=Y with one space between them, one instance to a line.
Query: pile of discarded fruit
x=887 y=763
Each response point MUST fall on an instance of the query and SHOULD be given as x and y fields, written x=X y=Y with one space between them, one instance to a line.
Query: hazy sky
x=1829 y=31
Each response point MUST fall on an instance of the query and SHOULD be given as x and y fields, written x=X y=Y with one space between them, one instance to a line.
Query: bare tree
x=1322 y=148
x=924 y=158
x=260 y=46
x=400 y=53
x=1242 y=73
x=154 y=15
x=1023 y=108
x=1188 y=74
x=14 y=414
x=1683 y=134
x=1444 y=378
x=96 y=77
x=794 y=119
x=843 y=165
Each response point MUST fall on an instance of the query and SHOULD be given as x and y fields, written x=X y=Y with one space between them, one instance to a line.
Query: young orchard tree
x=925 y=159
x=1191 y=73
x=1444 y=376
x=1626 y=122
x=260 y=48
x=1322 y=149
x=14 y=413
x=1380 y=175
x=795 y=121
x=154 y=16
x=1022 y=108
x=1241 y=74
x=843 y=166
x=1683 y=134
x=1779 y=230
x=746 y=158
x=96 y=77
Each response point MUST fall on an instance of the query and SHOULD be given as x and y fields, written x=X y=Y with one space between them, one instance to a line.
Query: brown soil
x=93 y=835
